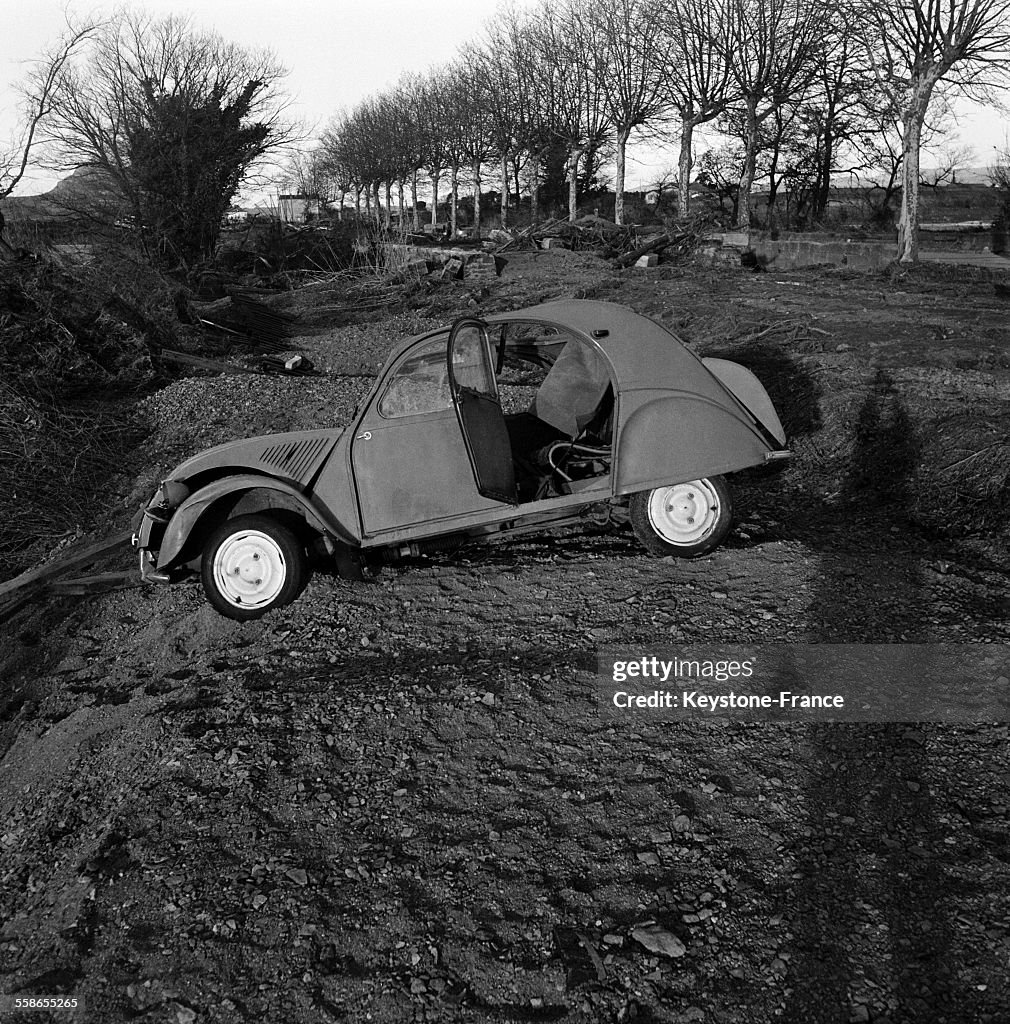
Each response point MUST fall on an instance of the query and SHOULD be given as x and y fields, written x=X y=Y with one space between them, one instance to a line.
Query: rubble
x=626 y=245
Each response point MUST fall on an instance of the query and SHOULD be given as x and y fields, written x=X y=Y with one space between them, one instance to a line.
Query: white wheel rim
x=249 y=569
x=684 y=513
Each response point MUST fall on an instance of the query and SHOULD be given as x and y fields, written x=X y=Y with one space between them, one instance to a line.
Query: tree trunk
x=773 y=189
x=535 y=190
x=368 y=201
x=413 y=199
x=684 y=168
x=622 y=145
x=476 y=198
x=505 y=191
x=454 y=179
x=399 y=185
x=340 y=205
x=435 y=172
x=749 y=165
x=824 y=174
x=387 y=220
x=589 y=165
x=573 y=184
x=908 y=220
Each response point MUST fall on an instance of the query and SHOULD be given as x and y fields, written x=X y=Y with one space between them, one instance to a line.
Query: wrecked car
x=489 y=427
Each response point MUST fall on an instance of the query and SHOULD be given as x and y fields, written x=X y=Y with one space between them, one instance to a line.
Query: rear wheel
x=684 y=520
x=251 y=565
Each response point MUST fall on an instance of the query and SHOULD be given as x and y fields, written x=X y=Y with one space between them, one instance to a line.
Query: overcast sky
x=339 y=52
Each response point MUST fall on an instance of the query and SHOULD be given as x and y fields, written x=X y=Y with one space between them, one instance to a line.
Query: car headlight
x=169 y=496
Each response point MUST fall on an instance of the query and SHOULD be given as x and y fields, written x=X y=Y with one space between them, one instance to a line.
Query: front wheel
x=684 y=520
x=251 y=565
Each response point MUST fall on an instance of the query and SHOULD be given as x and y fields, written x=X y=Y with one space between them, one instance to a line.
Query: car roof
x=638 y=347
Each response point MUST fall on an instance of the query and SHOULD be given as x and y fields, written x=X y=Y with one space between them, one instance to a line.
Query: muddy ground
x=398 y=800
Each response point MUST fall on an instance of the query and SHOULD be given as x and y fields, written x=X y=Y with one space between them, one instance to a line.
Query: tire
x=684 y=520
x=252 y=564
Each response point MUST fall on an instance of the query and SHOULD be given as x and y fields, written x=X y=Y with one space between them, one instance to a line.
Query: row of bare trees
x=805 y=88
x=175 y=119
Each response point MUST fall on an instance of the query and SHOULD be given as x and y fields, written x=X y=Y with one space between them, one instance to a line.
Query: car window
x=469 y=360
x=419 y=384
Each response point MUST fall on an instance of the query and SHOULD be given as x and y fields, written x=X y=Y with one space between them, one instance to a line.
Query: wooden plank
x=23 y=597
x=98 y=583
x=201 y=363
x=71 y=560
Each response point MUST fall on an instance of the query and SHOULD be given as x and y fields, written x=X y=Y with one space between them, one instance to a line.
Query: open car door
x=478 y=408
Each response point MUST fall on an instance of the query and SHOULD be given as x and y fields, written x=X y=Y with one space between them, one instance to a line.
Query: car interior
x=561 y=441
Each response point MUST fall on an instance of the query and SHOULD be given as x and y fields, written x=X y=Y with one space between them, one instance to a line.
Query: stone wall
x=475 y=264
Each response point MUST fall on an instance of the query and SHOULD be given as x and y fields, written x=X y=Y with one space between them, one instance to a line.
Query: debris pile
x=627 y=245
x=67 y=335
x=61 y=335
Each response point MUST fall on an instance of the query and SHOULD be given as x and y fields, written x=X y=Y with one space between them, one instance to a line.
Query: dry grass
x=71 y=339
x=56 y=464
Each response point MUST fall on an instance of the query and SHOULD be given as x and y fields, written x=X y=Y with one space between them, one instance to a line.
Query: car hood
x=295 y=456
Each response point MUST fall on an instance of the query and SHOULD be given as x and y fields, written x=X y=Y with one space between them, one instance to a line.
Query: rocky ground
x=399 y=801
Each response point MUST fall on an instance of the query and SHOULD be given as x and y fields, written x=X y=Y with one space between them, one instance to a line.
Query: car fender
x=283 y=495
x=749 y=392
x=681 y=436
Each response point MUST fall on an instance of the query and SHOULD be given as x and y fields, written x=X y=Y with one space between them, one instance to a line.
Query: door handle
x=366 y=436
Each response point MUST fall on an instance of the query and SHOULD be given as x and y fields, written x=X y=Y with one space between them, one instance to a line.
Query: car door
x=410 y=465
x=474 y=393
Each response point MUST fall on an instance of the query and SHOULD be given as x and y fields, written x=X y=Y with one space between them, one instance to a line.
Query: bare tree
x=697 y=72
x=435 y=108
x=505 y=90
x=915 y=46
x=455 y=144
x=771 y=46
x=843 y=103
x=538 y=86
x=951 y=158
x=318 y=177
x=334 y=167
x=475 y=136
x=581 y=119
x=346 y=145
x=173 y=119
x=629 y=69
x=37 y=97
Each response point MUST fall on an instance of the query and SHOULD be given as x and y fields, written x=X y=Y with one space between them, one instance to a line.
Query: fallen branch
x=643 y=250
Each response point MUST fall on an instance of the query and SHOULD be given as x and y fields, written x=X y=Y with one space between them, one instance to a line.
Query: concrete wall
x=786 y=253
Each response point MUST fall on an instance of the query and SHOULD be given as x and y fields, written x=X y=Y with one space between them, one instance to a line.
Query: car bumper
x=148 y=564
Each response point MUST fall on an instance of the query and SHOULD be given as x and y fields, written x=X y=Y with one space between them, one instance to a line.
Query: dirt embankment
x=398 y=801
